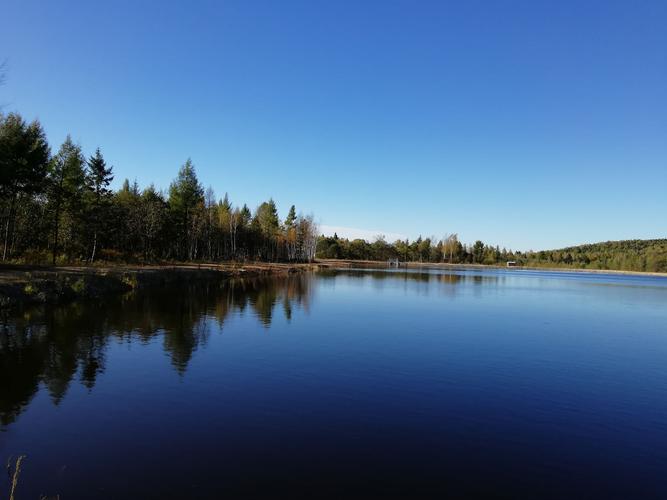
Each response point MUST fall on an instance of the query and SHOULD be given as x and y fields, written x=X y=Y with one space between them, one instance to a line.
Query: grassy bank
x=24 y=284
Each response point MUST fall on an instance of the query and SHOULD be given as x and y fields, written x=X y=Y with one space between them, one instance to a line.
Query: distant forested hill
x=626 y=255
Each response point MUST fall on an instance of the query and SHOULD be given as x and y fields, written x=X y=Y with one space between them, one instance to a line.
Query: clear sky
x=528 y=124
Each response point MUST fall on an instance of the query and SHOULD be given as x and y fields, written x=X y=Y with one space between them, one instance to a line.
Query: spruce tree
x=98 y=179
x=185 y=197
x=290 y=221
x=66 y=180
x=24 y=159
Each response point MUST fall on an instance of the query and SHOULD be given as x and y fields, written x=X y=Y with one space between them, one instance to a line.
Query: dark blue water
x=349 y=384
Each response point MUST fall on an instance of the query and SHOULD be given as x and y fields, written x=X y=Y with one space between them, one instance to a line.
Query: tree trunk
x=55 y=233
x=92 y=255
x=9 y=218
x=4 y=252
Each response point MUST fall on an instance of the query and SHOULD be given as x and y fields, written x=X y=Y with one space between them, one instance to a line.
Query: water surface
x=355 y=383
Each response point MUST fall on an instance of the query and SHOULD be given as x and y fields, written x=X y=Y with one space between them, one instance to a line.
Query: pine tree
x=291 y=236
x=24 y=159
x=267 y=217
x=153 y=217
x=225 y=204
x=98 y=179
x=66 y=180
x=245 y=214
x=267 y=223
x=185 y=198
x=290 y=221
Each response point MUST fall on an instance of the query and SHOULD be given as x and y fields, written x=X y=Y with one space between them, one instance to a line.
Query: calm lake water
x=350 y=384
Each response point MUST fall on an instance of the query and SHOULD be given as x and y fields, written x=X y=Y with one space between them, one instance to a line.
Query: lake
x=348 y=384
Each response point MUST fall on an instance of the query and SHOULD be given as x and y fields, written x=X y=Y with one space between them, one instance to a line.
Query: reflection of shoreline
x=22 y=285
x=372 y=264
x=411 y=275
x=54 y=345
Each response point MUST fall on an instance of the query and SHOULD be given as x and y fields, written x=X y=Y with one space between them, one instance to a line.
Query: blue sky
x=526 y=124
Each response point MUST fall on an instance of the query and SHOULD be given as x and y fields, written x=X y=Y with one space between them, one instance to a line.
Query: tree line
x=61 y=208
x=448 y=249
x=627 y=255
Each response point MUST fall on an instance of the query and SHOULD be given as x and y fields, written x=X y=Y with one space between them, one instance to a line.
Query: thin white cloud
x=353 y=233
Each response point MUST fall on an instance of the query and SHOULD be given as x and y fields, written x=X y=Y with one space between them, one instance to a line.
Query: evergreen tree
x=267 y=217
x=291 y=234
x=245 y=215
x=266 y=223
x=24 y=159
x=290 y=221
x=153 y=219
x=98 y=179
x=478 y=252
x=186 y=197
x=227 y=226
x=66 y=180
x=127 y=217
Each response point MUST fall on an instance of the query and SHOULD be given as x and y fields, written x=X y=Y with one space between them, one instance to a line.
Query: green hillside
x=626 y=255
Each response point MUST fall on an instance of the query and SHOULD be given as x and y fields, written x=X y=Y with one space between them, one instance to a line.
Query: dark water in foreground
x=349 y=384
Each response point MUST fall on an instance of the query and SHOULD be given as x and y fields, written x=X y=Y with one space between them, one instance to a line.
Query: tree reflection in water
x=55 y=345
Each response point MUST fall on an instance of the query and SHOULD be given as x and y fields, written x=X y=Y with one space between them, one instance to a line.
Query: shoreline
x=22 y=285
x=342 y=263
